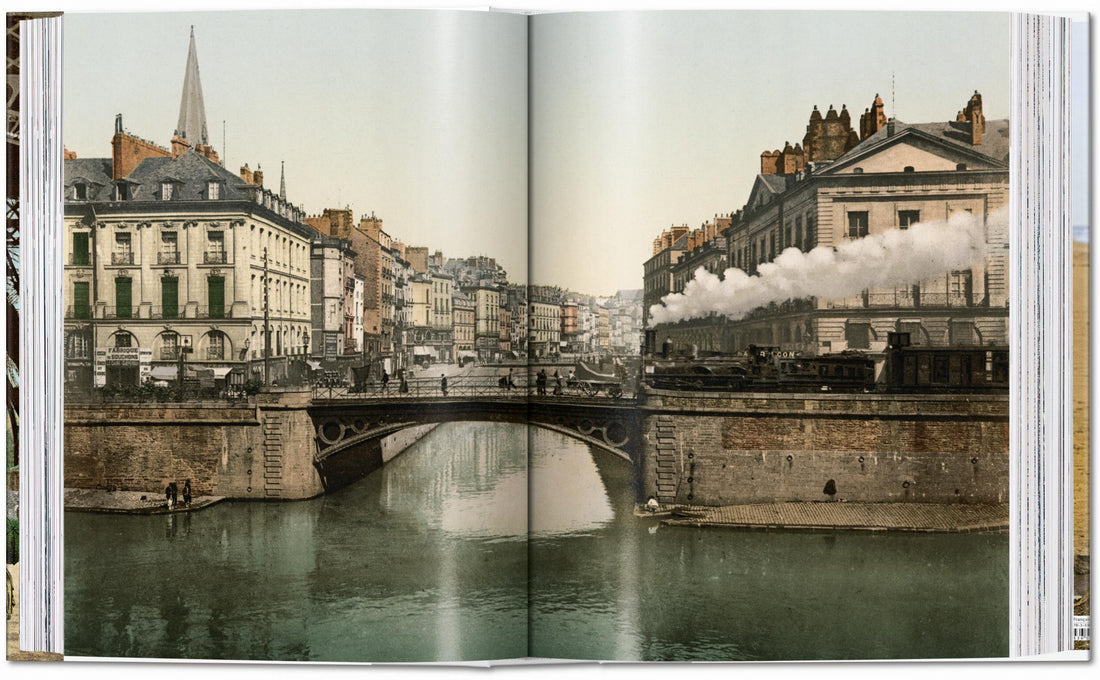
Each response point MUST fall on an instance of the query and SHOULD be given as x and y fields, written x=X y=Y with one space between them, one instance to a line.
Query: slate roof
x=994 y=140
x=777 y=184
x=191 y=172
x=96 y=172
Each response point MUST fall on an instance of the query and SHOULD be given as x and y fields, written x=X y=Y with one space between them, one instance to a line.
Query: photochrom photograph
x=444 y=336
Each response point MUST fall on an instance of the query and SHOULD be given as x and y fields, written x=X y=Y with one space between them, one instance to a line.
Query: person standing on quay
x=187 y=493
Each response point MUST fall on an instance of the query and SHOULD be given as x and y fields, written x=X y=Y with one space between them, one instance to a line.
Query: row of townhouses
x=837 y=186
x=175 y=263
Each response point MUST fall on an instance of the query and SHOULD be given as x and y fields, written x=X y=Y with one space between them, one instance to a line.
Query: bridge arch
x=349 y=436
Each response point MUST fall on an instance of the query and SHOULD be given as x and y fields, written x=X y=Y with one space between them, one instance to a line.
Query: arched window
x=169 y=346
x=123 y=339
x=217 y=345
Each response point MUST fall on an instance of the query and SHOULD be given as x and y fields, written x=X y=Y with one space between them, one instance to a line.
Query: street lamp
x=179 y=377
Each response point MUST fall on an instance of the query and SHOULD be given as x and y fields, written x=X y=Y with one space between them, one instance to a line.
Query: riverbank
x=130 y=502
x=910 y=517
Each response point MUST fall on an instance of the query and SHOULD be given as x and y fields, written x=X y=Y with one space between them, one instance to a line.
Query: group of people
x=172 y=494
x=541 y=381
x=403 y=383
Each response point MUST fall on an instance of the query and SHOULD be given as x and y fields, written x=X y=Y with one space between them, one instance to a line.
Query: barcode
x=1080 y=628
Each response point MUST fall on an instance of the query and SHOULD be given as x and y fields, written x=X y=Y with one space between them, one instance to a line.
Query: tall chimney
x=974 y=116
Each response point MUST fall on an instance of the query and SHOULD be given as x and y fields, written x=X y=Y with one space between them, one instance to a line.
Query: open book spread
x=432 y=336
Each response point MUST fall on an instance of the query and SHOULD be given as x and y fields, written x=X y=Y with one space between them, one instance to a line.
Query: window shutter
x=80 y=248
x=80 y=300
x=216 y=296
x=123 y=298
x=169 y=296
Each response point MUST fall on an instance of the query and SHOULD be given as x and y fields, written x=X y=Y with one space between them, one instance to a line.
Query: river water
x=428 y=560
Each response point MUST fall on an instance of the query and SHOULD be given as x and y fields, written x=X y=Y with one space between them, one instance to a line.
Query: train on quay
x=901 y=368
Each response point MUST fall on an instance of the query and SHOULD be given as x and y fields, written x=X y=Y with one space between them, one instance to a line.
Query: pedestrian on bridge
x=443 y=384
x=385 y=379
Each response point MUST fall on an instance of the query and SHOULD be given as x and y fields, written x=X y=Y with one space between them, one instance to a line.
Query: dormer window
x=121 y=192
x=212 y=188
x=80 y=191
x=166 y=191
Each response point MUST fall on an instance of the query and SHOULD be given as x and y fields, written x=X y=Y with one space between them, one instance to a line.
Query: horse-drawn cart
x=593 y=382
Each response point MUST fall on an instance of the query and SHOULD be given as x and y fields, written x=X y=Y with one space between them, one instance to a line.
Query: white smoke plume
x=895 y=257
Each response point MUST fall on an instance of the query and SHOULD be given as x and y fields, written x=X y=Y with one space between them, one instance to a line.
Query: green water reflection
x=427 y=560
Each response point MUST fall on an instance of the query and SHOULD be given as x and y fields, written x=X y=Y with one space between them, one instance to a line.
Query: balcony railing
x=169 y=353
x=901 y=300
x=153 y=312
x=168 y=258
x=215 y=353
x=80 y=258
x=215 y=257
x=122 y=258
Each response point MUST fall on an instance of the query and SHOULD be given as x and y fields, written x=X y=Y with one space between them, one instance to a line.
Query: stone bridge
x=685 y=447
x=350 y=431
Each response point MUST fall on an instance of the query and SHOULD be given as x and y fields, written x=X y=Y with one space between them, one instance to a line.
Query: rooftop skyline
x=639 y=120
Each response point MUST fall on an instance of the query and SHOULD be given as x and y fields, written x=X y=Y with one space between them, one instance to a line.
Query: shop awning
x=163 y=373
x=313 y=364
x=222 y=371
x=423 y=352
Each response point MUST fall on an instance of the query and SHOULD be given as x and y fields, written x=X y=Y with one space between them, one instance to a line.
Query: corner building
x=898 y=174
x=172 y=260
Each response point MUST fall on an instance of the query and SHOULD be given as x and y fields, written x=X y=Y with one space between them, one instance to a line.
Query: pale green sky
x=418 y=116
x=639 y=120
x=647 y=119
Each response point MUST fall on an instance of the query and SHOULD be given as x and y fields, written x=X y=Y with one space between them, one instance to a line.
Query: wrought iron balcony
x=122 y=258
x=215 y=257
x=168 y=258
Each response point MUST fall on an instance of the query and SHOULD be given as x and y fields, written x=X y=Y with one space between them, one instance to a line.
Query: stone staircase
x=667 y=462
x=273 y=456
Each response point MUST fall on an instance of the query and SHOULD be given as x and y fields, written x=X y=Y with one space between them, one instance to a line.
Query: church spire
x=282 y=180
x=192 y=123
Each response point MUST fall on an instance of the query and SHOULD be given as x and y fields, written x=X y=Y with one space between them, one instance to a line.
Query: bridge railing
x=469 y=386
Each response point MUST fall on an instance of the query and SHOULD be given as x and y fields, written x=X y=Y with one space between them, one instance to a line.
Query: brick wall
x=779 y=448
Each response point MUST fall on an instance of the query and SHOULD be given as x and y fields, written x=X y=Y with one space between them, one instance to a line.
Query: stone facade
x=259 y=451
x=709 y=450
x=898 y=175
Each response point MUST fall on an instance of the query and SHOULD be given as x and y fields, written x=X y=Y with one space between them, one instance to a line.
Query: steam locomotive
x=901 y=368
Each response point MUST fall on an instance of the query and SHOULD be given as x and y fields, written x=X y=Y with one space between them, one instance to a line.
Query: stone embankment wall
x=722 y=450
x=260 y=450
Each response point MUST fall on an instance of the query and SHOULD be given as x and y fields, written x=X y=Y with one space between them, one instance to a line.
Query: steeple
x=192 y=122
x=282 y=180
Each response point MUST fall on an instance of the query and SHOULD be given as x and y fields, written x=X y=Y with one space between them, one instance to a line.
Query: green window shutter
x=80 y=300
x=216 y=296
x=123 y=299
x=80 y=248
x=169 y=296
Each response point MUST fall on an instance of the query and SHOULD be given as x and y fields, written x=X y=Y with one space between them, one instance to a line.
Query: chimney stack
x=973 y=115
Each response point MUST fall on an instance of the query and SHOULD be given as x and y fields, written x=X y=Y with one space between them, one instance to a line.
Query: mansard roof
x=765 y=185
x=192 y=172
x=951 y=136
x=92 y=171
